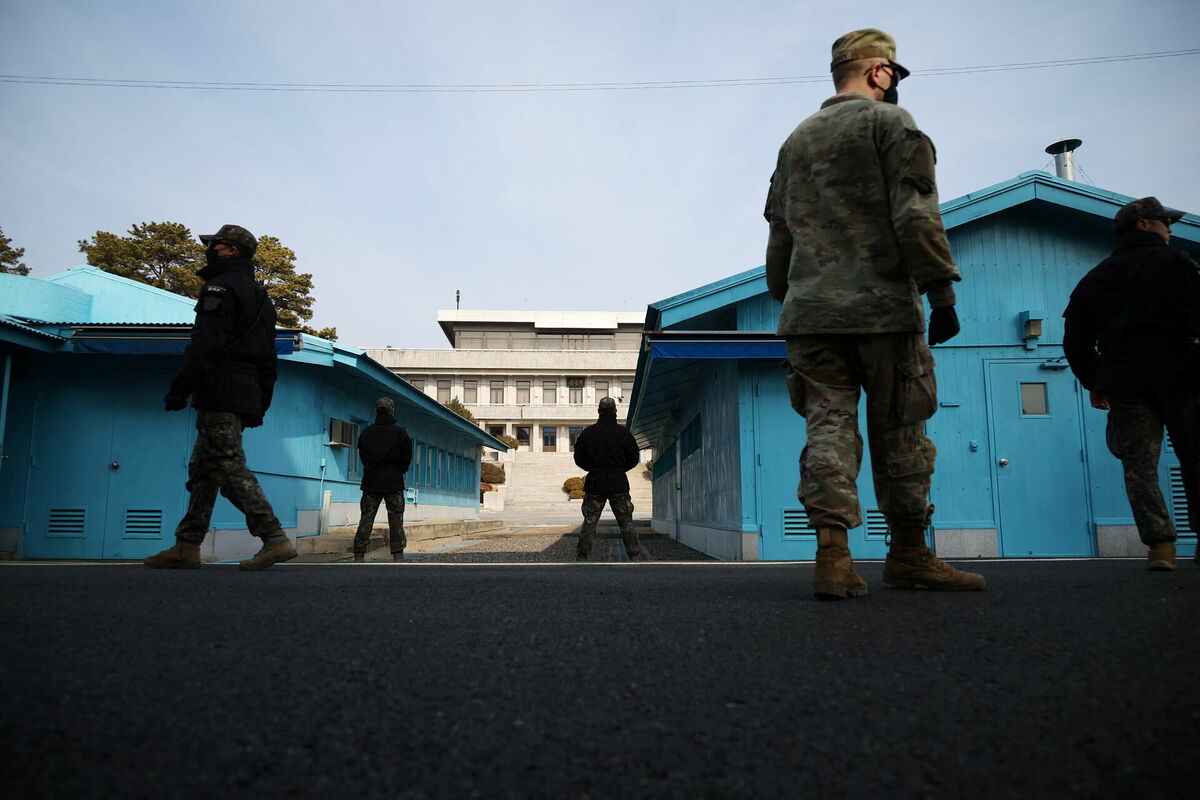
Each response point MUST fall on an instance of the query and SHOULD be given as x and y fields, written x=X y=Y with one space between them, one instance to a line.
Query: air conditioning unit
x=342 y=433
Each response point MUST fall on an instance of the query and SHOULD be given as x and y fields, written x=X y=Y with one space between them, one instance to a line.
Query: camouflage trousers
x=622 y=509
x=1134 y=435
x=825 y=376
x=369 y=506
x=218 y=463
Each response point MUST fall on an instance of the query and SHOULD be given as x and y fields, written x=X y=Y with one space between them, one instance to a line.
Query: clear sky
x=590 y=200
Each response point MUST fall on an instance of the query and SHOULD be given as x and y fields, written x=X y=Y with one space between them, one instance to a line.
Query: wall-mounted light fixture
x=1031 y=327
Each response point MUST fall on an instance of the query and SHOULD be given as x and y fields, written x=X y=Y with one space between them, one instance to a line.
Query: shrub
x=491 y=472
x=576 y=494
x=511 y=441
x=459 y=408
x=573 y=485
x=649 y=466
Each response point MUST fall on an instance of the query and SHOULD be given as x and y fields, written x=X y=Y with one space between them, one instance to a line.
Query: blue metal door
x=68 y=470
x=147 y=467
x=1039 y=472
x=108 y=466
x=779 y=438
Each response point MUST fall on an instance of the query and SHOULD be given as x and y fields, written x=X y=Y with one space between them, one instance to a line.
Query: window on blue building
x=689 y=440
x=1033 y=400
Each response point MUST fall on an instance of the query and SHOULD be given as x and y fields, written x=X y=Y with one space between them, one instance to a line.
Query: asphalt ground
x=1064 y=679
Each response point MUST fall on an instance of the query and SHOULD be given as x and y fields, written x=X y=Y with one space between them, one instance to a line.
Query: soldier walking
x=229 y=373
x=607 y=450
x=856 y=238
x=386 y=451
x=1131 y=339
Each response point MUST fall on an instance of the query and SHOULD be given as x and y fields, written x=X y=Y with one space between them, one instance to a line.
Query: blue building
x=94 y=468
x=1023 y=469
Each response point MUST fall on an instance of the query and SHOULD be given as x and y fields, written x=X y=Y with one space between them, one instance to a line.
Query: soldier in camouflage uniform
x=856 y=239
x=1131 y=339
x=607 y=450
x=229 y=373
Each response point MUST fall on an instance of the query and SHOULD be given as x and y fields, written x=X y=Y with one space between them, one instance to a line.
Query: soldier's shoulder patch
x=213 y=287
x=210 y=301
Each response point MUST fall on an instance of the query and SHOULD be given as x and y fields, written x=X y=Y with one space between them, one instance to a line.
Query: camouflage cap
x=607 y=404
x=866 y=43
x=233 y=234
x=385 y=404
x=1145 y=208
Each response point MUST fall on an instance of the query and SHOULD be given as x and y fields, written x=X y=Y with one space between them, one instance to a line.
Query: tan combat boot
x=911 y=564
x=184 y=555
x=1161 y=557
x=834 y=577
x=276 y=548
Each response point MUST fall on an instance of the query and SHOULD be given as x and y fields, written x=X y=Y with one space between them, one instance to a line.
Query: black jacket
x=230 y=363
x=386 y=451
x=1132 y=321
x=607 y=451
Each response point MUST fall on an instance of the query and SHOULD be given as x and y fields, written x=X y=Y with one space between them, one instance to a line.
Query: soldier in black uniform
x=607 y=450
x=386 y=451
x=229 y=373
x=1130 y=338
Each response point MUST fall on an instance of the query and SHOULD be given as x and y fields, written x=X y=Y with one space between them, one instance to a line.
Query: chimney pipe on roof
x=1064 y=162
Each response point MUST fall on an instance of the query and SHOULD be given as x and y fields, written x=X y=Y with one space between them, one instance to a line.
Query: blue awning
x=111 y=345
x=730 y=348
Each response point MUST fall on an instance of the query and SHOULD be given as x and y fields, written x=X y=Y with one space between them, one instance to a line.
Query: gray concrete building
x=533 y=375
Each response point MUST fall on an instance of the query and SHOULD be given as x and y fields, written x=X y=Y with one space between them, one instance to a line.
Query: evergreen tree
x=166 y=255
x=459 y=408
x=10 y=257
x=162 y=254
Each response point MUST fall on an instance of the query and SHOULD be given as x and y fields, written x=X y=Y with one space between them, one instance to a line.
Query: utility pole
x=457 y=296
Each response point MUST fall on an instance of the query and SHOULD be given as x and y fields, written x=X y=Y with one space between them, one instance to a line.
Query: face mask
x=890 y=95
x=211 y=257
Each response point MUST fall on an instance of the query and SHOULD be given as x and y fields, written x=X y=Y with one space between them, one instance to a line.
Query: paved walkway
x=532 y=544
x=1065 y=679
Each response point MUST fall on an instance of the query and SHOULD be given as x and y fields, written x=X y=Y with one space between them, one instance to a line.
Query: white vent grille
x=143 y=523
x=1179 y=511
x=66 y=522
x=795 y=523
x=876 y=524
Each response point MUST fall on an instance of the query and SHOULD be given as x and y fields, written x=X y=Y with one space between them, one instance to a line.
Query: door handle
x=1003 y=462
x=115 y=465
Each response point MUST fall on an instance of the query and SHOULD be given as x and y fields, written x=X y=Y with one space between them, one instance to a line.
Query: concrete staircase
x=534 y=488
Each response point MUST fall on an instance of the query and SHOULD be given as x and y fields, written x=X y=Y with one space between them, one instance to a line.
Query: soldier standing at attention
x=386 y=451
x=229 y=373
x=856 y=239
x=1140 y=308
x=607 y=450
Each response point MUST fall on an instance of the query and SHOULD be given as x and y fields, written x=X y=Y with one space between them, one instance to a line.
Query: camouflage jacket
x=856 y=234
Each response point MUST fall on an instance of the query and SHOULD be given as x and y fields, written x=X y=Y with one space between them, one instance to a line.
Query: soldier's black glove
x=174 y=402
x=943 y=324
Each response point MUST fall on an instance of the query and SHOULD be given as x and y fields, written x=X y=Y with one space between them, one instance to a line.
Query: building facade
x=533 y=375
x=1023 y=469
x=93 y=467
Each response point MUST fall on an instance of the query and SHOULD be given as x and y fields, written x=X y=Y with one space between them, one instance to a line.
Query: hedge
x=491 y=472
